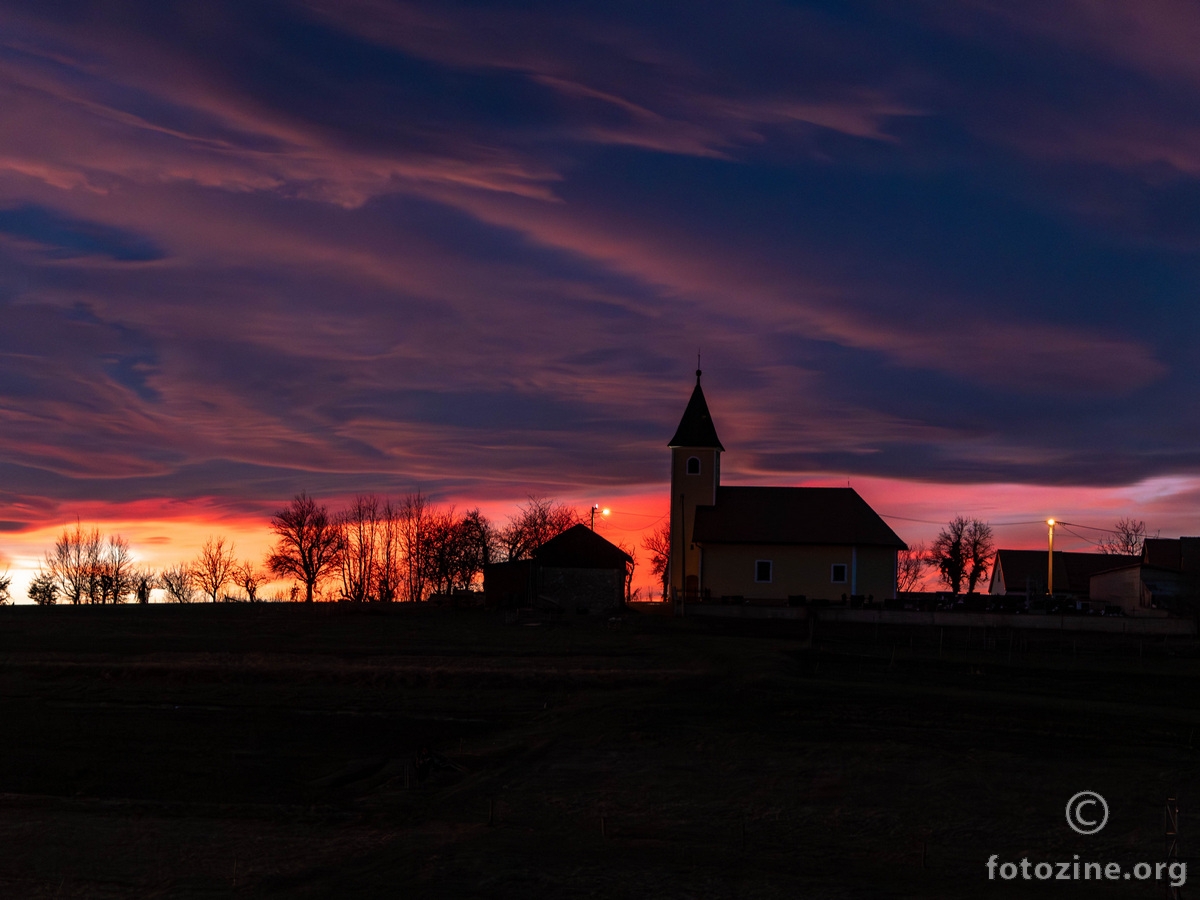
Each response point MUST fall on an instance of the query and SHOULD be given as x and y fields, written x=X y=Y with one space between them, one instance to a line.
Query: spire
x=696 y=428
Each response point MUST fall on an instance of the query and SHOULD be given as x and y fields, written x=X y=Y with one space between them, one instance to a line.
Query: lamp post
x=1050 y=561
x=603 y=512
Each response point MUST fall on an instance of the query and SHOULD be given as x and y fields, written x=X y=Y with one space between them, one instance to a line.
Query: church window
x=837 y=573
x=762 y=570
x=693 y=465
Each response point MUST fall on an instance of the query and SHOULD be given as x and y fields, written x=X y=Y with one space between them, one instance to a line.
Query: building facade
x=768 y=543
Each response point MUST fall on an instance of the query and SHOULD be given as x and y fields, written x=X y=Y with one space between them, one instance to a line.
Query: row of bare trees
x=85 y=567
x=377 y=550
x=383 y=550
x=209 y=575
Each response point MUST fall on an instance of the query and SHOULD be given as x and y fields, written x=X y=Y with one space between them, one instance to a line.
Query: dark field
x=268 y=751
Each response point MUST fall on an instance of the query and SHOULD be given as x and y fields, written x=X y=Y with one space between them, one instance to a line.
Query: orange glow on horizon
x=166 y=532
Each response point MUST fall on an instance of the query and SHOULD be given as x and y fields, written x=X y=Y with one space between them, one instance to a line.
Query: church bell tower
x=695 y=476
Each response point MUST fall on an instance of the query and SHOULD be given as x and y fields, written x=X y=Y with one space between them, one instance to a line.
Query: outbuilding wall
x=596 y=590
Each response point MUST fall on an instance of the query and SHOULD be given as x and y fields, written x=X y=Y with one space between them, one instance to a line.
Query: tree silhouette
x=910 y=563
x=249 y=578
x=179 y=582
x=72 y=563
x=213 y=568
x=658 y=545
x=86 y=568
x=43 y=590
x=309 y=545
x=413 y=534
x=963 y=550
x=361 y=533
x=144 y=581
x=1128 y=537
x=538 y=520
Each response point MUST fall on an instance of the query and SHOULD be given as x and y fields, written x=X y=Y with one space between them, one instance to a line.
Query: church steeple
x=695 y=476
x=696 y=428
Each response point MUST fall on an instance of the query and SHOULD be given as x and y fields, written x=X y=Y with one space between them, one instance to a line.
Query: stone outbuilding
x=575 y=571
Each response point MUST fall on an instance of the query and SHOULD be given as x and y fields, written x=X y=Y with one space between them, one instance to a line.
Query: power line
x=1088 y=527
x=931 y=522
x=1078 y=535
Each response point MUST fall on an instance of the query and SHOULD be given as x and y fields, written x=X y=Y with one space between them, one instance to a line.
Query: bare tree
x=213 y=568
x=537 y=521
x=630 y=568
x=86 y=568
x=113 y=580
x=390 y=578
x=946 y=553
x=249 y=578
x=474 y=544
x=1127 y=538
x=144 y=581
x=43 y=590
x=414 y=525
x=457 y=548
x=910 y=564
x=179 y=582
x=979 y=548
x=441 y=549
x=358 y=562
x=309 y=544
x=963 y=550
x=658 y=544
x=5 y=584
x=73 y=562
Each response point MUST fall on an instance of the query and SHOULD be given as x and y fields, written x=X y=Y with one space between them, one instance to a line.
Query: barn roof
x=696 y=428
x=581 y=548
x=792 y=515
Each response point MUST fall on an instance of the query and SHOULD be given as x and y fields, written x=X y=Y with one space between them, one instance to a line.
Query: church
x=768 y=543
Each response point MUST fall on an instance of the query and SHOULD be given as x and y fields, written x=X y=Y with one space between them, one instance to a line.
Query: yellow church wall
x=729 y=570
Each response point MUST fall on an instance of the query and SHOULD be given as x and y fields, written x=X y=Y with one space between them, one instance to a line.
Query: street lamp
x=603 y=512
x=1050 y=561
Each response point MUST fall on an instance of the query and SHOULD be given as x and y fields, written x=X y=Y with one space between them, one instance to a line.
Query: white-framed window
x=763 y=571
x=837 y=573
x=693 y=465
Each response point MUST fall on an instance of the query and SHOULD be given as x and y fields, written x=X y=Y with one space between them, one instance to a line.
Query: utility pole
x=1050 y=561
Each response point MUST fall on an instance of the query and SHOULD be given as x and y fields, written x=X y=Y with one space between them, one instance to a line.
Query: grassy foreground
x=213 y=751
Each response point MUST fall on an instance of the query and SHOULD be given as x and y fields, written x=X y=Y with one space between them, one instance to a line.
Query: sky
x=944 y=252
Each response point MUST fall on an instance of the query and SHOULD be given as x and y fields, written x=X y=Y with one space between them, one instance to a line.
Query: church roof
x=696 y=428
x=581 y=548
x=792 y=515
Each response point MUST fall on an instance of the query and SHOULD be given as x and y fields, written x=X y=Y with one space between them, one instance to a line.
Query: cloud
x=60 y=237
x=474 y=249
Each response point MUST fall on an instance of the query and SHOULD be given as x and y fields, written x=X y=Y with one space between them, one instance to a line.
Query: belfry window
x=693 y=465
